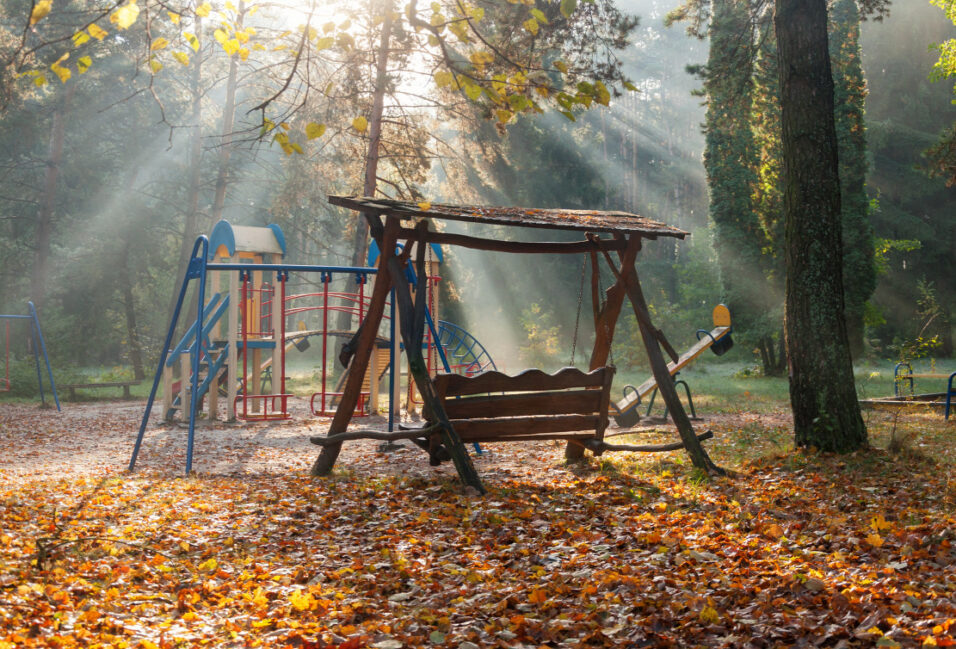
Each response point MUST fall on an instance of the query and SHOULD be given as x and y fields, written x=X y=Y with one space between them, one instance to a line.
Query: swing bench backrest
x=495 y=407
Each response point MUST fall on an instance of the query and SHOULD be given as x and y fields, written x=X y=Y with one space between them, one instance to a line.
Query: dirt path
x=96 y=439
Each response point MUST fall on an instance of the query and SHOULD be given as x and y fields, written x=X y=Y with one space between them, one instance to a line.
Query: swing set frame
x=627 y=232
x=38 y=345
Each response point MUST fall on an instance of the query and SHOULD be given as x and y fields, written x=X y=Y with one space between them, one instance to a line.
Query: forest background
x=133 y=180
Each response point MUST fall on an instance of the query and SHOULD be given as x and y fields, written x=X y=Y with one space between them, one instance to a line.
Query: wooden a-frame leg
x=364 y=348
x=412 y=320
x=605 y=322
x=665 y=383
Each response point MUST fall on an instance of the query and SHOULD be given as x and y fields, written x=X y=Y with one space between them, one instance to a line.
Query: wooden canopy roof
x=553 y=219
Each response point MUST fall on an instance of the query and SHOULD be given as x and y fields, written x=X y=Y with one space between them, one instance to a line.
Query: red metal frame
x=325 y=396
x=266 y=325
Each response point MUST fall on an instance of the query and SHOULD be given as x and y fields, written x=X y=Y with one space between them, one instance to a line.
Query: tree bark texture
x=191 y=220
x=228 y=121
x=360 y=239
x=822 y=392
x=45 y=215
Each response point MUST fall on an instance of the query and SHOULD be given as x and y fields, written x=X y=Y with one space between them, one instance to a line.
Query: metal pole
x=283 y=276
x=326 y=277
x=197 y=354
x=165 y=353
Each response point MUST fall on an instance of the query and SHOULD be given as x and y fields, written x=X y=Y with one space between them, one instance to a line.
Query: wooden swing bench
x=493 y=407
x=570 y=404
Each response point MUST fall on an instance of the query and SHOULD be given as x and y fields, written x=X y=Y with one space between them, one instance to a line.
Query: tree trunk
x=125 y=277
x=191 y=221
x=823 y=397
x=360 y=238
x=45 y=214
x=228 y=119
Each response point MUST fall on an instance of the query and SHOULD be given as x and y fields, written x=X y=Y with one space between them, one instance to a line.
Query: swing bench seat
x=495 y=407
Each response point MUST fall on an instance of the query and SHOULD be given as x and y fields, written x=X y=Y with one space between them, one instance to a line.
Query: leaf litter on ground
x=801 y=549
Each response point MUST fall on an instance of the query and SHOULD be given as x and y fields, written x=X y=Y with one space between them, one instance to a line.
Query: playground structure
x=38 y=346
x=718 y=340
x=508 y=412
x=904 y=391
x=238 y=342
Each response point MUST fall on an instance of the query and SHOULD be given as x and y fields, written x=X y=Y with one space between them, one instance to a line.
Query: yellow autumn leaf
x=203 y=9
x=531 y=25
x=125 y=16
x=504 y=116
x=875 y=540
x=173 y=17
x=424 y=206
x=158 y=44
x=192 y=40
x=182 y=57
x=79 y=38
x=209 y=565
x=60 y=71
x=40 y=10
x=301 y=600
x=879 y=523
x=243 y=53
x=313 y=130
x=63 y=73
x=561 y=66
x=360 y=124
x=242 y=37
x=83 y=64
x=39 y=80
x=155 y=66
x=97 y=32
x=709 y=615
x=220 y=36
x=231 y=46
x=444 y=78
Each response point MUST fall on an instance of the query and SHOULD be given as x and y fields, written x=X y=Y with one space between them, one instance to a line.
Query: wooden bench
x=495 y=407
x=73 y=387
x=532 y=406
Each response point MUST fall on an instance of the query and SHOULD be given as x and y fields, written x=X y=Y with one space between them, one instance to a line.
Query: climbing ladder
x=464 y=353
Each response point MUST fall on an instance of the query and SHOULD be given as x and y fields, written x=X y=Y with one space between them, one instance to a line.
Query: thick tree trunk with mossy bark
x=826 y=412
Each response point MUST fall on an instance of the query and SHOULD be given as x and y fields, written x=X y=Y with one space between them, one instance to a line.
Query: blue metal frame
x=36 y=334
x=950 y=393
x=199 y=265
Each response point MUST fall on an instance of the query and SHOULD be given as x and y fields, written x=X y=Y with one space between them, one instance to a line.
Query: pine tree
x=768 y=198
x=859 y=271
x=731 y=162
